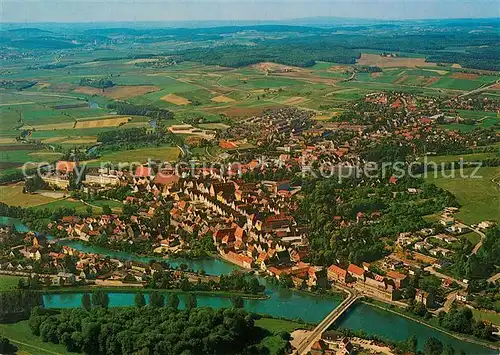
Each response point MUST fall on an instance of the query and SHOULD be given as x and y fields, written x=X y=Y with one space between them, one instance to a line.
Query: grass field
x=476 y=195
x=140 y=155
x=276 y=325
x=474 y=157
x=487 y=315
x=274 y=342
x=473 y=237
x=20 y=335
x=8 y=282
x=13 y=196
x=66 y=203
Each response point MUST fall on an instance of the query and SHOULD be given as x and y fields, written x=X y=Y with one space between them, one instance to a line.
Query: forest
x=301 y=54
x=150 y=330
x=369 y=210
x=124 y=108
x=96 y=83
x=17 y=305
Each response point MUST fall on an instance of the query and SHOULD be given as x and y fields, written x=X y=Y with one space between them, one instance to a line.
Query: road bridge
x=305 y=345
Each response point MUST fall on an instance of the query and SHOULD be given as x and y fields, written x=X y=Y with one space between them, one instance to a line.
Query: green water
x=374 y=320
x=281 y=303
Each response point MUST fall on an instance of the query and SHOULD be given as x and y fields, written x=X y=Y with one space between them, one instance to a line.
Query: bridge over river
x=305 y=346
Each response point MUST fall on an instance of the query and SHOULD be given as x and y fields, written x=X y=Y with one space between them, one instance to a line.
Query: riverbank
x=282 y=303
x=134 y=290
x=399 y=312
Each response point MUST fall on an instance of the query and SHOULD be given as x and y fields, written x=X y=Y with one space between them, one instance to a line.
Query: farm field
x=62 y=114
x=141 y=155
x=475 y=195
x=13 y=195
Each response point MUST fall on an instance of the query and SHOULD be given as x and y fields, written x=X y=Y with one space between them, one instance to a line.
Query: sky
x=31 y=11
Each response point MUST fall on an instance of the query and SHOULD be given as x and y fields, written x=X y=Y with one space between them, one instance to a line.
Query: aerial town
x=202 y=202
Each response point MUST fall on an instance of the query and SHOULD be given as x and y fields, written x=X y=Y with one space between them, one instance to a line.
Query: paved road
x=443 y=276
x=480 y=244
x=305 y=346
x=483 y=88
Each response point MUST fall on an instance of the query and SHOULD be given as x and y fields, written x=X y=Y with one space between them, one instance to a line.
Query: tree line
x=148 y=330
x=125 y=108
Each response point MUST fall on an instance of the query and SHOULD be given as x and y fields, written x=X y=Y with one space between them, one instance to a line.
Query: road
x=450 y=298
x=480 y=244
x=305 y=346
x=483 y=88
x=443 y=276
x=494 y=278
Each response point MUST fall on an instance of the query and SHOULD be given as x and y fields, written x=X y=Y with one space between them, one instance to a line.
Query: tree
x=412 y=343
x=156 y=299
x=185 y=285
x=139 y=300
x=237 y=301
x=433 y=346
x=448 y=350
x=6 y=347
x=173 y=301
x=106 y=209
x=286 y=281
x=100 y=299
x=191 y=301
x=86 y=304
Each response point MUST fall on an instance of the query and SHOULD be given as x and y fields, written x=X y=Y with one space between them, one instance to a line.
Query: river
x=281 y=303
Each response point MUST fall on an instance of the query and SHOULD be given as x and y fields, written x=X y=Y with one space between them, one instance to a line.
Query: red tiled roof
x=355 y=269
x=396 y=275
x=337 y=270
x=65 y=166
x=143 y=171
x=239 y=257
x=164 y=179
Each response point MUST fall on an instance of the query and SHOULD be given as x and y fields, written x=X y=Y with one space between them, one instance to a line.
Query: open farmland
x=176 y=100
x=119 y=92
x=221 y=99
x=140 y=155
x=387 y=62
x=103 y=122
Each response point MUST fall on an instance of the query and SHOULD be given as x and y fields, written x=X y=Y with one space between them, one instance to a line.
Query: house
x=63 y=278
x=447 y=221
x=239 y=259
x=356 y=272
x=143 y=172
x=336 y=273
x=65 y=167
x=319 y=347
x=345 y=346
x=317 y=276
x=485 y=225
x=34 y=253
x=462 y=296
x=440 y=252
x=426 y=298
x=400 y=280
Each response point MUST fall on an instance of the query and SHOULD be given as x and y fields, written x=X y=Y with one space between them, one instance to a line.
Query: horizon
x=117 y=11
